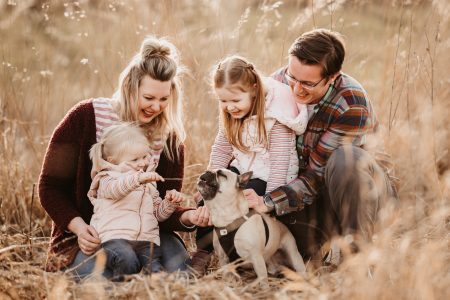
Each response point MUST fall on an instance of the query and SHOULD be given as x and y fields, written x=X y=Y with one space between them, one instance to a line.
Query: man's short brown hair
x=320 y=47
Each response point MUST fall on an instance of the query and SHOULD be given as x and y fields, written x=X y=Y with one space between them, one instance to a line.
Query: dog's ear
x=243 y=179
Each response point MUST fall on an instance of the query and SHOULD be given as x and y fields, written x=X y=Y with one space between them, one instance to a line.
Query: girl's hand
x=88 y=239
x=254 y=201
x=147 y=177
x=174 y=197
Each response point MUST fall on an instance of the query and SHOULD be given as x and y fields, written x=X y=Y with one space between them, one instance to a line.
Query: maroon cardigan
x=65 y=180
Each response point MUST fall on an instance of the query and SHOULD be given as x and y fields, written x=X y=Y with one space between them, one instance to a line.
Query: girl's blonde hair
x=236 y=72
x=157 y=58
x=115 y=141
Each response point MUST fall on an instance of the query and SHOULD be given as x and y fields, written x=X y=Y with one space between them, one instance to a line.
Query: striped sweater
x=126 y=209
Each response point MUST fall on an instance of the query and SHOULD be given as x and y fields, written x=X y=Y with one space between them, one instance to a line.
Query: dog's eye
x=219 y=173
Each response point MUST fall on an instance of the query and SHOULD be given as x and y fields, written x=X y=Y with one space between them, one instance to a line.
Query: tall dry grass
x=54 y=54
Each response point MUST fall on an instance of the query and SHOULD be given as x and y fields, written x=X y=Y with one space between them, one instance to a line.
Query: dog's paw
x=273 y=269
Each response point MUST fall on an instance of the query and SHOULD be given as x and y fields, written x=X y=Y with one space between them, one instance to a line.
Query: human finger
x=158 y=177
x=249 y=192
x=87 y=245
x=203 y=216
x=197 y=197
x=93 y=232
x=207 y=216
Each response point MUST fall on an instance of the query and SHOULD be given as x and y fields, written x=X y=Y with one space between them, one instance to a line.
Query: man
x=340 y=186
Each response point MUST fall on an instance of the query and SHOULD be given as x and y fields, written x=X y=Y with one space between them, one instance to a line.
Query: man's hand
x=254 y=201
x=88 y=239
x=174 y=197
x=147 y=177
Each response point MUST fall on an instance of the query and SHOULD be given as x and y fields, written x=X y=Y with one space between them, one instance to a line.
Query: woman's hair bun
x=152 y=47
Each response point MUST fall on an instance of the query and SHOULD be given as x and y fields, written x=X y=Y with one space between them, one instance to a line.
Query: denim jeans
x=125 y=258
x=355 y=189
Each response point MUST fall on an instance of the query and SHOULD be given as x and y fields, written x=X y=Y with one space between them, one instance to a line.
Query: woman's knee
x=174 y=254
x=121 y=257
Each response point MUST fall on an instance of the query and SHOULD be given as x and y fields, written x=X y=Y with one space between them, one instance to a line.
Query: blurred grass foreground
x=56 y=53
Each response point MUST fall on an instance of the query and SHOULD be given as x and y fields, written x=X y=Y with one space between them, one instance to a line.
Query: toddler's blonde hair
x=115 y=141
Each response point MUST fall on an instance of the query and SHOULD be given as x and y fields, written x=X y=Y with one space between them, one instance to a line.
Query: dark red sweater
x=65 y=180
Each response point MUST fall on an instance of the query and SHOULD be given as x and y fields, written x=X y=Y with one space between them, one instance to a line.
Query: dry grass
x=54 y=54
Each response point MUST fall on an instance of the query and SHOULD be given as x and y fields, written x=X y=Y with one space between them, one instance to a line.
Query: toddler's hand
x=174 y=197
x=147 y=177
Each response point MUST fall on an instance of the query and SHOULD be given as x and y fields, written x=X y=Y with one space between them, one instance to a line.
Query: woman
x=148 y=93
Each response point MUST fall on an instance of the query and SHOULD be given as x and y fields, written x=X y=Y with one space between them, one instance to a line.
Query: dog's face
x=212 y=183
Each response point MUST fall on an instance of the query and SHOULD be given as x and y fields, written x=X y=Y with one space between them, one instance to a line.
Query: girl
x=259 y=120
x=127 y=206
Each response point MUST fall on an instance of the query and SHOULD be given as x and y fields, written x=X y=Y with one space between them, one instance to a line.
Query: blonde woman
x=149 y=93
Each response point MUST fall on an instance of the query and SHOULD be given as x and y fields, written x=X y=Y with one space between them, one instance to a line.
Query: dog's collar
x=221 y=231
x=226 y=234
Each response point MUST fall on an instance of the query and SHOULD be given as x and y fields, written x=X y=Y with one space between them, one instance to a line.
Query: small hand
x=147 y=177
x=174 y=197
x=254 y=201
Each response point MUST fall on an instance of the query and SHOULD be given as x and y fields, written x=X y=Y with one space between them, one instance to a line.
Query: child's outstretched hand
x=174 y=197
x=147 y=177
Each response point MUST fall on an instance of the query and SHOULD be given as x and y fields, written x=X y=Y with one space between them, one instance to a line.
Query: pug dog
x=240 y=232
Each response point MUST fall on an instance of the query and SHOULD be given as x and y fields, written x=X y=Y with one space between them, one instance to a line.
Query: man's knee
x=346 y=159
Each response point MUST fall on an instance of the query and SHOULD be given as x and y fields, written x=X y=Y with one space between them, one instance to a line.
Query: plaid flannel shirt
x=343 y=116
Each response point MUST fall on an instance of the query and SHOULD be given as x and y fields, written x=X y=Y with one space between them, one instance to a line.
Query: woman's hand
x=197 y=197
x=174 y=197
x=147 y=177
x=199 y=217
x=88 y=239
x=254 y=201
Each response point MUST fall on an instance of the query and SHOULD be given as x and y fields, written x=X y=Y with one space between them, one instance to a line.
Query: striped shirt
x=105 y=115
x=280 y=145
x=343 y=116
x=117 y=188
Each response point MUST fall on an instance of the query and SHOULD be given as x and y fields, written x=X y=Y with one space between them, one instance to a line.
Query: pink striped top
x=118 y=188
x=105 y=115
x=281 y=141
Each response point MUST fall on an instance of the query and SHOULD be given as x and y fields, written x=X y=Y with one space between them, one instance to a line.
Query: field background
x=56 y=53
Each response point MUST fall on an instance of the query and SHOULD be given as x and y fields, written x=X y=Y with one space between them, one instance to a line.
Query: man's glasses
x=305 y=84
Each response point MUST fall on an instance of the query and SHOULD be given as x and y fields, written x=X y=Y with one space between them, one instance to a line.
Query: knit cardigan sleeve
x=57 y=191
